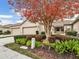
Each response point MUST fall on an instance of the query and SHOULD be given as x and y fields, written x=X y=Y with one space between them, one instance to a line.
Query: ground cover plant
x=62 y=47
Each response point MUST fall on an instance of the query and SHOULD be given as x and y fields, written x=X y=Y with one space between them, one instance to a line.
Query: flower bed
x=56 y=47
x=41 y=53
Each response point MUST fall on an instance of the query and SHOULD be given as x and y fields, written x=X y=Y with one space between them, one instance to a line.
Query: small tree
x=45 y=11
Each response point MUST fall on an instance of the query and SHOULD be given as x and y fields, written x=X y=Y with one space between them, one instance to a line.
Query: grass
x=16 y=47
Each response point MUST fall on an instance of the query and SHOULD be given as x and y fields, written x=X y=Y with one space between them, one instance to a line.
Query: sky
x=7 y=15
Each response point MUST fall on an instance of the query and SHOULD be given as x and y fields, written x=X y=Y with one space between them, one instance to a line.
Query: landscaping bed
x=41 y=53
x=56 y=47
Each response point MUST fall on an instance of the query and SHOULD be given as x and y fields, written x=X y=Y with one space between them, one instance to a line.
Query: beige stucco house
x=4 y=28
x=28 y=28
x=76 y=25
x=24 y=28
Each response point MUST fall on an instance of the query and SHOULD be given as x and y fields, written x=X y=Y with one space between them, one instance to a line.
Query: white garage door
x=16 y=31
x=29 y=31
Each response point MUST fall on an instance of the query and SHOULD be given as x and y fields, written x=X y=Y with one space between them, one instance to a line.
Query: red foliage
x=46 y=11
x=54 y=9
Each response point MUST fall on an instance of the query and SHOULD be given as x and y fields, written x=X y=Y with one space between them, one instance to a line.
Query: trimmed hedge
x=72 y=33
x=23 y=40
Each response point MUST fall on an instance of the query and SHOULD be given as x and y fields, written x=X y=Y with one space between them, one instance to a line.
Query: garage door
x=16 y=31
x=29 y=30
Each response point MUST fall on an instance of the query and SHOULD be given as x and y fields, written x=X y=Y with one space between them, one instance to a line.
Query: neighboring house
x=24 y=28
x=62 y=26
x=76 y=25
x=28 y=28
x=4 y=28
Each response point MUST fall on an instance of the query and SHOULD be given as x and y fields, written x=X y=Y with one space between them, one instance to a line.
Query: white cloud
x=5 y=19
x=6 y=16
x=19 y=21
x=6 y=22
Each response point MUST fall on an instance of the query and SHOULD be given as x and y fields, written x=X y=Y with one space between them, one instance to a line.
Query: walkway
x=6 y=53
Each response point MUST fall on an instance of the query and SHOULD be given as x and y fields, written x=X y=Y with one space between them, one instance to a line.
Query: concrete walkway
x=6 y=53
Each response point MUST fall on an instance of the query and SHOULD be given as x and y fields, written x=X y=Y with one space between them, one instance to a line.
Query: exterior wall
x=28 y=28
x=67 y=27
x=16 y=31
x=5 y=29
x=76 y=26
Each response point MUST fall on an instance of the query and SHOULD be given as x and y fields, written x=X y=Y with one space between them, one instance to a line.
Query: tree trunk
x=47 y=31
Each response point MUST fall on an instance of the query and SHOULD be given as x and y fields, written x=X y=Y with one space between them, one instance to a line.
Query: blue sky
x=6 y=14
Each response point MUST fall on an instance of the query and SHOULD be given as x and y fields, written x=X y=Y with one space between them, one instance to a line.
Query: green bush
x=7 y=32
x=43 y=35
x=23 y=41
x=66 y=46
x=1 y=32
x=20 y=39
x=38 y=44
x=73 y=33
x=46 y=42
x=59 y=47
x=28 y=43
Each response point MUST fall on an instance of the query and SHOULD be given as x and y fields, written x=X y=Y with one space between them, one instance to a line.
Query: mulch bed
x=53 y=55
x=41 y=52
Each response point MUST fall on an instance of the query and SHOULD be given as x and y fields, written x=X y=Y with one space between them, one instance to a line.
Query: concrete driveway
x=6 y=53
x=6 y=40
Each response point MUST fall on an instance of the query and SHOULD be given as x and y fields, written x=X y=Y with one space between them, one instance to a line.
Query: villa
x=28 y=28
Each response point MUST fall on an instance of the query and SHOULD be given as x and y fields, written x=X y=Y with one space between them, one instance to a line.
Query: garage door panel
x=16 y=31
x=29 y=31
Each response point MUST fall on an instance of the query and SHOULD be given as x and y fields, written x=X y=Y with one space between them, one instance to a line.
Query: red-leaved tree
x=45 y=11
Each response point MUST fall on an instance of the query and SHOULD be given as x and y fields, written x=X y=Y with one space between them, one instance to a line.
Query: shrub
x=38 y=38
x=1 y=32
x=28 y=43
x=20 y=39
x=7 y=32
x=59 y=47
x=38 y=44
x=43 y=35
x=66 y=46
x=72 y=33
x=19 y=36
x=30 y=36
x=53 y=38
x=46 y=42
x=37 y=32
x=23 y=41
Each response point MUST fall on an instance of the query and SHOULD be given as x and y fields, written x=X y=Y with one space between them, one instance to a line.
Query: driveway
x=6 y=40
x=6 y=53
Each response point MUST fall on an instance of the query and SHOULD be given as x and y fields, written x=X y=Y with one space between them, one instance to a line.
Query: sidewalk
x=6 y=53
